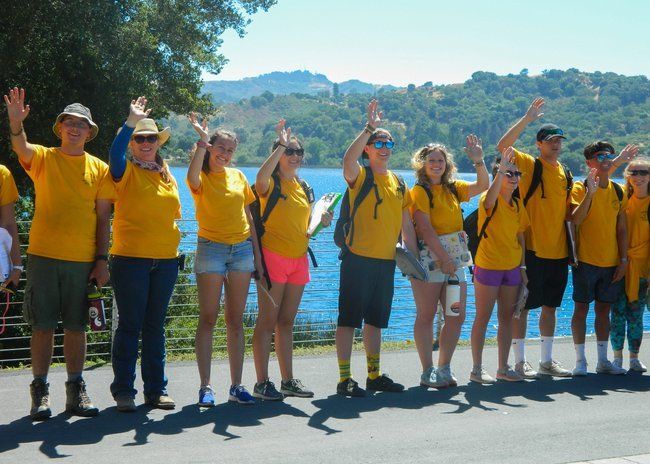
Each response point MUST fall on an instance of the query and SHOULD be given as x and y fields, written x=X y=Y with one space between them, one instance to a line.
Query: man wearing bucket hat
x=68 y=244
x=144 y=257
x=546 y=242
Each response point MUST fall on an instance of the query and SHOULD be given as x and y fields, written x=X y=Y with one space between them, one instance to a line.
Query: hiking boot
x=77 y=401
x=384 y=383
x=525 y=370
x=509 y=375
x=294 y=387
x=606 y=367
x=431 y=378
x=206 y=397
x=40 y=393
x=160 y=401
x=553 y=368
x=125 y=403
x=581 y=368
x=239 y=394
x=350 y=388
x=637 y=366
x=445 y=375
x=267 y=391
x=480 y=375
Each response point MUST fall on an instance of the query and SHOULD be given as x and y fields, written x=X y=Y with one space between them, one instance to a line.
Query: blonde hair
x=418 y=162
x=640 y=161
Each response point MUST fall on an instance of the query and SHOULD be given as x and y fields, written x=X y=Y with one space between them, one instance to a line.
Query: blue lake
x=321 y=295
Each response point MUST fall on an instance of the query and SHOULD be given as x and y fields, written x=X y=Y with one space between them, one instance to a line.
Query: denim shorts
x=221 y=258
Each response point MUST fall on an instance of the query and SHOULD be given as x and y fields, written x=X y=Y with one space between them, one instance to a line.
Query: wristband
x=479 y=163
x=623 y=260
x=202 y=144
x=16 y=134
x=523 y=267
x=101 y=258
x=369 y=129
x=20 y=268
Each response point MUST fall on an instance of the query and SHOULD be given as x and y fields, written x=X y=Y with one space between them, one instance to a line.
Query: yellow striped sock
x=344 y=370
x=373 y=366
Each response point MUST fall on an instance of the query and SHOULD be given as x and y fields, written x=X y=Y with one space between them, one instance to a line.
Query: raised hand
x=629 y=153
x=137 y=111
x=592 y=182
x=283 y=133
x=16 y=108
x=508 y=160
x=374 y=117
x=474 y=148
x=202 y=128
x=535 y=110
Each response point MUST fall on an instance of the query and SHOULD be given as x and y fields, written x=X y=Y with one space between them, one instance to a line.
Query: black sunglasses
x=294 y=151
x=512 y=173
x=142 y=138
x=639 y=172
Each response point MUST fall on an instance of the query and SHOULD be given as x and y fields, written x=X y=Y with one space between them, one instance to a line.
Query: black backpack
x=452 y=188
x=536 y=180
x=345 y=223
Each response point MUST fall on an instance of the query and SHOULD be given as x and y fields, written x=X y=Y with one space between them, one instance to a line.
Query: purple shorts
x=493 y=278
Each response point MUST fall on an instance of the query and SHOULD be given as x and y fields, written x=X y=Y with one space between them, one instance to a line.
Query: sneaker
x=553 y=368
x=294 y=387
x=479 y=375
x=125 y=403
x=445 y=375
x=618 y=362
x=77 y=401
x=581 y=369
x=431 y=378
x=266 y=391
x=206 y=397
x=161 y=401
x=384 y=383
x=637 y=366
x=239 y=394
x=350 y=388
x=525 y=370
x=40 y=393
x=606 y=367
x=509 y=375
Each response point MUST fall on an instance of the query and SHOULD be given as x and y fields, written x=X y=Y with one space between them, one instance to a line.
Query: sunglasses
x=153 y=138
x=603 y=156
x=512 y=174
x=378 y=144
x=294 y=151
x=69 y=123
x=639 y=172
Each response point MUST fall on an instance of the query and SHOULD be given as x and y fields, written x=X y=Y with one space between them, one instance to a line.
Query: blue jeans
x=143 y=288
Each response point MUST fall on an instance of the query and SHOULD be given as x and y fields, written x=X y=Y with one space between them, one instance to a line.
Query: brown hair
x=216 y=135
x=643 y=161
x=593 y=148
x=418 y=162
x=276 y=144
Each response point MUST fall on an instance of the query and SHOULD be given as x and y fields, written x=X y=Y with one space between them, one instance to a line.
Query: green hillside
x=586 y=105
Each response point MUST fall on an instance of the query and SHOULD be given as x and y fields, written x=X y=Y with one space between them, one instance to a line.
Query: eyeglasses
x=512 y=174
x=378 y=144
x=294 y=151
x=153 y=138
x=603 y=156
x=639 y=172
x=70 y=124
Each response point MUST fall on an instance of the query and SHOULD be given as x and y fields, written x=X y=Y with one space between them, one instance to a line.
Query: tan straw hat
x=148 y=126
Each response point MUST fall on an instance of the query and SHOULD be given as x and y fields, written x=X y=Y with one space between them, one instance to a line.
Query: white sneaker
x=617 y=362
x=581 y=369
x=637 y=366
x=431 y=378
x=479 y=375
x=553 y=368
x=509 y=375
x=445 y=375
x=606 y=367
x=525 y=370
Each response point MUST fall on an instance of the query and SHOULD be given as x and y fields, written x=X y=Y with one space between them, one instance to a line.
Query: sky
x=415 y=41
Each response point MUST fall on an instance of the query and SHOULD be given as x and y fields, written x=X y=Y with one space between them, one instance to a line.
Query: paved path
x=545 y=421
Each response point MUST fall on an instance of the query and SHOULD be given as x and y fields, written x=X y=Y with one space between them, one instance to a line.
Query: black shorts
x=595 y=283
x=547 y=279
x=365 y=291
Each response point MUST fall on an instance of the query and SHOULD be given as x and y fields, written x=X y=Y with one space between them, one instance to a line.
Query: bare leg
x=507 y=300
x=267 y=318
x=602 y=321
x=284 y=329
x=547 y=321
x=579 y=322
x=74 y=350
x=344 y=339
x=485 y=296
x=450 y=332
x=237 y=286
x=209 y=287
x=426 y=296
x=42 y=344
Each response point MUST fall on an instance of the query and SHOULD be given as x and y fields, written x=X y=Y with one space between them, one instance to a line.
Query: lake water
x=321 y=295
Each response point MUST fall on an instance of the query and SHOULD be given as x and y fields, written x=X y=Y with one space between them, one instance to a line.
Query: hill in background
x=587 y=106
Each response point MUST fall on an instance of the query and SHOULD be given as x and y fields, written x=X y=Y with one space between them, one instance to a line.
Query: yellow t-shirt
x=446 y=216
x=286 y=227
x=8 y=190
x=638 y=232
x=376 y=236
x=65 y=221
x=499 y=250
x=546 y=234
x=145 y=211
x=220 y=201
x=596 y=237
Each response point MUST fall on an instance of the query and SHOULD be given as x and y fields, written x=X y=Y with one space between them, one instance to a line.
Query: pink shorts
x=511 y=277
x=285 y=270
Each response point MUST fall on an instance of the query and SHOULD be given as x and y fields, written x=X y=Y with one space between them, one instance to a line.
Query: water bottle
x=96 y=314
x=452 y=296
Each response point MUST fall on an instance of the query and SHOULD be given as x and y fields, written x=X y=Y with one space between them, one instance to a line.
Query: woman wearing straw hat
x=144 y=256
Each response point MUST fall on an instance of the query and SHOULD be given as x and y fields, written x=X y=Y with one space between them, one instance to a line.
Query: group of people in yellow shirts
x=524 y=225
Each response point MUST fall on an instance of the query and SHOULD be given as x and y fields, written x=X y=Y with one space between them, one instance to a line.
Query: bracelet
x=16 y=134
x=479 y=163
x=202 y=144
x=523 y=267
x=20 y=268
x=623 y=260
x=101 y=257
x=369 y=129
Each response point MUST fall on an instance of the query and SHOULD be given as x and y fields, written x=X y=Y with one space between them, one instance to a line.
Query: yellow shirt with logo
x=500 y=250
x=446 y=216
x=286 y=227
x=638 y=236
x=375 y=235
x=596 y=237
x=65 y=221
x=220 y=203
x=546 y=234
x=145 y=215
x=8 y=190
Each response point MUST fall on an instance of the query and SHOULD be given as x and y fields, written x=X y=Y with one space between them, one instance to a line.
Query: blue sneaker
x=239 y=394
x=206 y=397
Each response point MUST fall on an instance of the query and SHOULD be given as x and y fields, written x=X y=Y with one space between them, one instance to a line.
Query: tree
x=105 y=52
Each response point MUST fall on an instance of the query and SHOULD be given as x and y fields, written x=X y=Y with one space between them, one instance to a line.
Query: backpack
x=536 y=180
x=344 y=228
x=260 y=217
x=452 y=188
